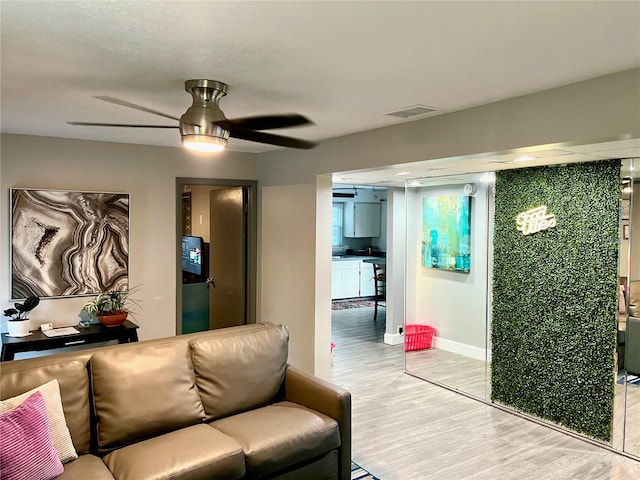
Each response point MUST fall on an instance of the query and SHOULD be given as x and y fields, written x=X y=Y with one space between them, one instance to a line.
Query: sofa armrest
x=327 y=398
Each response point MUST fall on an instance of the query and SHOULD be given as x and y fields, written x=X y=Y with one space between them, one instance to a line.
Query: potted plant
x=19 y=324
x=111 y=308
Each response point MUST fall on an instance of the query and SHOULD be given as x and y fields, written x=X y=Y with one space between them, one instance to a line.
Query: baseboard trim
x=393 y=338
x=470 y=351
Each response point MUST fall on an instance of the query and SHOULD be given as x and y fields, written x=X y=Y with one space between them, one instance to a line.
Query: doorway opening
x=216 y=250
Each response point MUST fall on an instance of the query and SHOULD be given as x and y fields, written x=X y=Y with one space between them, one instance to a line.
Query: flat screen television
x=192 y=255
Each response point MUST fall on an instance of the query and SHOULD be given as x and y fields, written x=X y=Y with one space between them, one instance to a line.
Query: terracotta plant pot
x=113 y=319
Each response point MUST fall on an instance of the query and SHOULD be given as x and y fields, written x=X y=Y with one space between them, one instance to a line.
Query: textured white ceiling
x=342 y=64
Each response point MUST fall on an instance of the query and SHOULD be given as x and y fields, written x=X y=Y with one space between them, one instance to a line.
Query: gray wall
x=149 y=175
x=596 y=110
x=294 y=227
x=454 y=303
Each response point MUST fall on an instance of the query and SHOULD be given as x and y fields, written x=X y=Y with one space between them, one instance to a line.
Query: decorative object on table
x=446 y=233
x=19 y=324
x=66 y=243
x=111 y=308
x=60 y=332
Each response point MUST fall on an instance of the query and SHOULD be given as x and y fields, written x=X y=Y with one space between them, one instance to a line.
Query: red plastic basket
x=418 y=337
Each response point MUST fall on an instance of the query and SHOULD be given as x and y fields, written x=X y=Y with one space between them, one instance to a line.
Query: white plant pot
x=18 y=328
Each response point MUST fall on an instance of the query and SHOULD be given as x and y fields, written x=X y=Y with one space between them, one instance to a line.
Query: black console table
x=95 y=333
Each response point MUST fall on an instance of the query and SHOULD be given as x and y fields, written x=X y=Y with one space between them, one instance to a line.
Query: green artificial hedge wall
x=555 y=295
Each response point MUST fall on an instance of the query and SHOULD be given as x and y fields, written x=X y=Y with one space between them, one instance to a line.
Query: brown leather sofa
x=222 y=404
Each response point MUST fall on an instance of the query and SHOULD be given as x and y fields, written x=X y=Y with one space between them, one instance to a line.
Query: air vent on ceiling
x=414 y=111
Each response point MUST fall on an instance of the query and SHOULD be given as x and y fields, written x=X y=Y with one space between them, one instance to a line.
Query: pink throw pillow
x=26 y=449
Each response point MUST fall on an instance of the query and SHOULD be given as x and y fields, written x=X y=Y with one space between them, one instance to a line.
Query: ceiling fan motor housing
x=197 y=123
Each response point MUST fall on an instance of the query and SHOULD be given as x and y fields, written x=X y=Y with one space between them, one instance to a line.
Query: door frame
x=252 y=240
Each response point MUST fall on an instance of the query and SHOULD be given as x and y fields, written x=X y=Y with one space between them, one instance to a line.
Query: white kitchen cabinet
x=367 y=285
x=345 y=279
x=351 y=278
x=361 y=219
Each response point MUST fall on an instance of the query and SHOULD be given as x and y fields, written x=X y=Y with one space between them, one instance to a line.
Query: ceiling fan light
x=204 y=143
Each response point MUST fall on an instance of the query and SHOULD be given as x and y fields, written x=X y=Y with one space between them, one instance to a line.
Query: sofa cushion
x=86 y=467
x=238 y=372
x=55 y=415
x=74 y=391
x=26 y=449
x=325 y=467
x=143 y=390
x=280 y=435
x=192 y=453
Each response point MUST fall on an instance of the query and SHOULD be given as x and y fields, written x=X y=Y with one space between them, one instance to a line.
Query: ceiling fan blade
x=267 y=122
x=269 y=138
x=128 y=125
x=124 y=103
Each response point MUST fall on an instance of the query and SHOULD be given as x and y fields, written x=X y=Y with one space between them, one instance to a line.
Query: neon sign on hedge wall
x=535 y=220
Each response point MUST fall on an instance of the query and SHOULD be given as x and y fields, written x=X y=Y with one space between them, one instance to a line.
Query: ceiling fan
x=203 y=127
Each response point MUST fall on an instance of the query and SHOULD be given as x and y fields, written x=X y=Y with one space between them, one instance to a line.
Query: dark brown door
x=227 y=258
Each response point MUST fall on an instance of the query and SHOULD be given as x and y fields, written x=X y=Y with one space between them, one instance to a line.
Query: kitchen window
x=336 y=224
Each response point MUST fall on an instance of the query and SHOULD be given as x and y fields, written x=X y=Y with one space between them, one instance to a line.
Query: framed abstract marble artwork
x=446 y=233
x=68 y=243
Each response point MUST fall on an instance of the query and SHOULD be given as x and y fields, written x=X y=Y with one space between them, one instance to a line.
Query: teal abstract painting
x=446 y=233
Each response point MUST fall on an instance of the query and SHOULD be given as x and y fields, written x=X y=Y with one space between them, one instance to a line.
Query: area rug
x=631 y=380
x=359 y=473
x=346 y=304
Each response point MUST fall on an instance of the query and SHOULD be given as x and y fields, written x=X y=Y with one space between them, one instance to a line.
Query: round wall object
x=469 y=189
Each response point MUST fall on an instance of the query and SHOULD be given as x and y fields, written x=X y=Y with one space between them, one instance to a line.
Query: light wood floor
x=445 y=367
x=627 y=413
x=405 y=428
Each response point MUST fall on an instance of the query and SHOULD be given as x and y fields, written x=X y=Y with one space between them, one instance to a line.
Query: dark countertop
x=376 y=260
x=342 y=258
